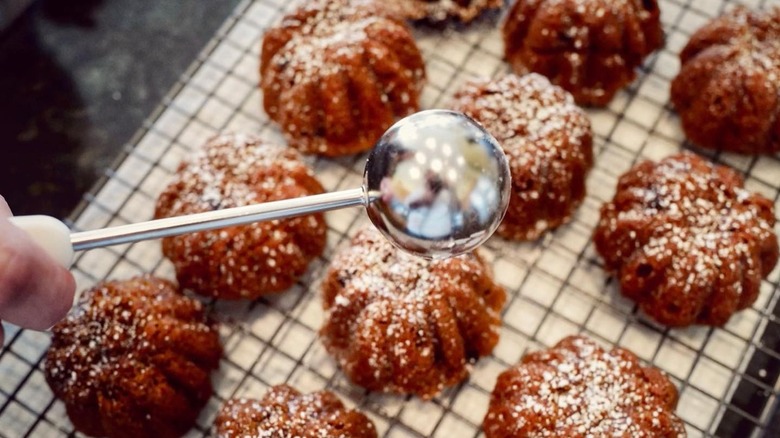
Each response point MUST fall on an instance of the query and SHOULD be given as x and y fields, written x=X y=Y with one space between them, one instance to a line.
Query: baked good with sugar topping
x=577 y=389
x=686 y=241
x=133 y=359
x=400 y=323
x=589 y=47
x=547 y=140
x=285 y=412
x=336 y=74
x=251 y=260
x=728 y=89
x=435 y=11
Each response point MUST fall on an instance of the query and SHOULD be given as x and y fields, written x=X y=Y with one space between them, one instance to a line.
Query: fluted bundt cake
x=589 y=47
x=547 y=140
x=686 y=241
x=337 y=73
x=249 y=260
x=285 y=412
x=133 y=359
x=439 y=10
x=728 y=90
x=400 y=323
x=577 y=389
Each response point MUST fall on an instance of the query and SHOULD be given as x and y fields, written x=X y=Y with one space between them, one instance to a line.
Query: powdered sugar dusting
x=223 y=173
x=577 y=389
x=127 y=338
x=234 y=170
x=686 y=232
x=336 y=73
x=728 y=85
x=400 y=323
x=547 y=140
x=440 y=10
x=756 y=38
x=589 y=47
x=284 y=412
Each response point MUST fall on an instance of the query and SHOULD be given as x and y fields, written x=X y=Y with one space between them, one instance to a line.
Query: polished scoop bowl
x=436 y=184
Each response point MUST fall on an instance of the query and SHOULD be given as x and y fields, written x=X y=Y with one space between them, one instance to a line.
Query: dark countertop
x=77 y=79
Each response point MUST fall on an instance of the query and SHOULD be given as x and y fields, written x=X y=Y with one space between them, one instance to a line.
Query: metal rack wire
x=728 y=377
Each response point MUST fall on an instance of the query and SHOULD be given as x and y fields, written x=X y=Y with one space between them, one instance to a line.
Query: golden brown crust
x=547 y=140
x=399 y=323
x=589 y=47
x=133 y=359
x=250 y=260
x=687 y=241
x=285 y=412
x=577 y=389
x=336 y=74
x=727 y=92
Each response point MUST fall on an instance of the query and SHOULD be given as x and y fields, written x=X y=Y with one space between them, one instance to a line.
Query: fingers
x=35 y=291
x=5 y=210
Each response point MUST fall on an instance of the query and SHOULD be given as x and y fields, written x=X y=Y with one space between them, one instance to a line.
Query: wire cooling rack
x=727 y=377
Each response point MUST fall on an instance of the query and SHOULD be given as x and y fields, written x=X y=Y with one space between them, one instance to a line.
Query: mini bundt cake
x=336 y=74
x=547 y=140
x=285 y=412
x=400 y=323
x=686 y=241
x=435 y=11
x=250 y=260
x=577 y=389
x=589 y=47
x=728 y=92
x=133 y=359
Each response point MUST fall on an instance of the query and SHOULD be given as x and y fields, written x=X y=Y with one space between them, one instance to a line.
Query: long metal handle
x=218 y=219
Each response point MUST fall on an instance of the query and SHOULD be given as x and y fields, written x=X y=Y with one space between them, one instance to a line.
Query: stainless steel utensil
x=436 y=184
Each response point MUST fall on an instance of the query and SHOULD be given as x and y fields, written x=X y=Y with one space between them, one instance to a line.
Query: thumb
x=35 y=291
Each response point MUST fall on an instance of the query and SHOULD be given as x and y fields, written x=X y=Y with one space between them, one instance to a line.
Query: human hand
x=35 y=291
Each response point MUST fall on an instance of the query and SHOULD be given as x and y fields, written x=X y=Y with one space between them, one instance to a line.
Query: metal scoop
x=436 y=184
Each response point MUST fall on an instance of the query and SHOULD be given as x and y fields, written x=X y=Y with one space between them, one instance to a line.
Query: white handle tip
x=49 y=233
